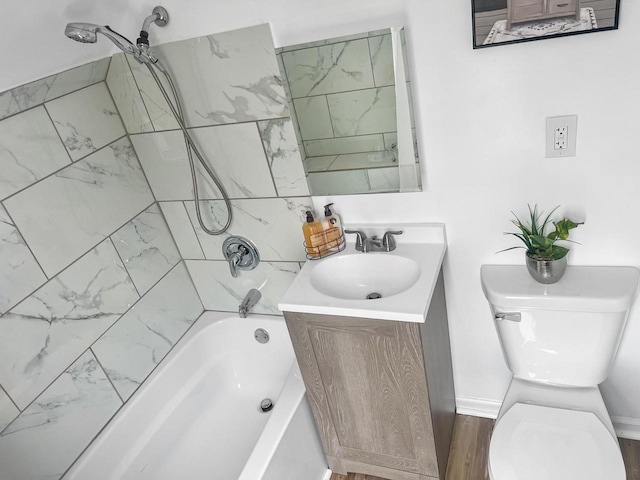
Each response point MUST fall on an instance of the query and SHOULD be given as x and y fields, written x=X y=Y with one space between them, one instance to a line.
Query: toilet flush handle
x=510 y=316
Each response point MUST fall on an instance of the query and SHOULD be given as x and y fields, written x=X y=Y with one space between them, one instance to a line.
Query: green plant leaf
x=563 y=227
x=533 y=216
x=558 y=252
x=540 y=242
x=534 y=239
x=510 y=248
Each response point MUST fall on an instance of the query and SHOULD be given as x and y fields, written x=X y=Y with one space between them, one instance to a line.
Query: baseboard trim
x=627 y=427
x=480 y=407
x=477 y=407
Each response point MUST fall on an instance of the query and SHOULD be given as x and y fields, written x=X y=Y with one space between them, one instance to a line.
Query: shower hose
x=191 y=149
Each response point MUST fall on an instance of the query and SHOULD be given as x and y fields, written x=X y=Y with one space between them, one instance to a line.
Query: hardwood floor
x=470 y=447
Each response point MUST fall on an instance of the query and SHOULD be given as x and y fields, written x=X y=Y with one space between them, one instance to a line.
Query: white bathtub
x=197 y=416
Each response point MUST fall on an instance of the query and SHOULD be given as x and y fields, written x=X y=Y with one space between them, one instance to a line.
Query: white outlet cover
x=569 y=121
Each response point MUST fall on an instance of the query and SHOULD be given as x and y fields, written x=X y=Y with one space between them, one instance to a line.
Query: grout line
x=80 y=258
x=175 y=243
x=90 y=346
x=193 y=227
x=373 y=75
x=30 y=251
x=333 y=41
x=268 y=159
x=214 y=125
x=2 y=389
x=333 y=129
x=134 y=304
x=64 y=145
x=124 y=265
x=144 y=173
x=106 y=374
x=139 y=92
x=115 y=105
x=194 y=283
x=50 y=99
x=160 y=102
x=56 y=172
x=344 y=92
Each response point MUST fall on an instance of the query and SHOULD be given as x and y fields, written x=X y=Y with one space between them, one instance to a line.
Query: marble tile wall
x=99 y=237
x=236 y=110
x=93 y=289
x=36 y=93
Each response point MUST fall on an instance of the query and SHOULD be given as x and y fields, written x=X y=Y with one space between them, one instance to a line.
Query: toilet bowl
x=554 y=433
x=560 y=342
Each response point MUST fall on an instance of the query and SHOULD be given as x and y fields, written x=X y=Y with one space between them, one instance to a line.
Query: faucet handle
x=388 y=242
x=360 y=239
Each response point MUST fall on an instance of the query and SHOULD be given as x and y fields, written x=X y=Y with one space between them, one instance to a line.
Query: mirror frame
x=479 y=7
x=411 y=177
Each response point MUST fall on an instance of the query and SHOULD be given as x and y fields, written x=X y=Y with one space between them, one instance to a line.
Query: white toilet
x=560 y=342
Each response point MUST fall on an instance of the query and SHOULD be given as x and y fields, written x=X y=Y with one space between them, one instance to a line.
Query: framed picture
x=499 y=22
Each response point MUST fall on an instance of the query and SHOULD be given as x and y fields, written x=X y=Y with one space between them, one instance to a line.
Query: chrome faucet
x=361 y=237
x=372 y=244
x=249 y=302
x=375 y=244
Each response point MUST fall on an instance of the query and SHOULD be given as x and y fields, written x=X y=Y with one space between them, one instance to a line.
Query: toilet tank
x=566 y=333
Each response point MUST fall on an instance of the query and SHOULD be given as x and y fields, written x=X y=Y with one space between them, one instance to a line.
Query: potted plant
x=546 y=260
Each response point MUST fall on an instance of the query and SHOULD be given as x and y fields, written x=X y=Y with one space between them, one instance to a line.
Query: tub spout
x=249 y=301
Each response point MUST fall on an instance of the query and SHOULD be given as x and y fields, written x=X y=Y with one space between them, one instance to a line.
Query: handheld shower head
x=88 y=33
x=82 y=32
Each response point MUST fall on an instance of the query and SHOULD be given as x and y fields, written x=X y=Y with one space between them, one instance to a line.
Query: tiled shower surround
x=103 y=266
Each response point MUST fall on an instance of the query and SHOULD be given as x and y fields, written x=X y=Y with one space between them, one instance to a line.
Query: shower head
x=82 y=32
x=88 y=33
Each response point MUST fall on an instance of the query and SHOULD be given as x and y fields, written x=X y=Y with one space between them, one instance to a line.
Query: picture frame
x=503 y=22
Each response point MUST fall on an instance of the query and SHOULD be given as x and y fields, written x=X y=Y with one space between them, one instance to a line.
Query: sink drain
x=373 y=296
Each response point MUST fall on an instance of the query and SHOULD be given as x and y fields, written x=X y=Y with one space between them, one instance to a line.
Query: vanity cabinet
x=381 y=391
x=532 y=10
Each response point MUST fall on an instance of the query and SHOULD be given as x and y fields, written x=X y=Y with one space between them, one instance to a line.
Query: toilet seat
x=533 y=442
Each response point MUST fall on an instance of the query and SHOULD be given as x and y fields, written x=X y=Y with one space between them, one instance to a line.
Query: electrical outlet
x=561 y=136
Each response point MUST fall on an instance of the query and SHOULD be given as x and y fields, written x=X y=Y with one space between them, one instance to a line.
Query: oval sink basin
x=364 y=275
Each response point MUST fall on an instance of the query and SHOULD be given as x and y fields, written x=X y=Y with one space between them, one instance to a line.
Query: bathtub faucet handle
x=241 y=253
x=248 y=302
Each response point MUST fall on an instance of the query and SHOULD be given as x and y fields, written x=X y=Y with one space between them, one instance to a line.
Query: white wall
x=481 y=123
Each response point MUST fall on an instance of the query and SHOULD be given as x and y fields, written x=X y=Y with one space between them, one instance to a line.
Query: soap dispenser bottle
x=314 y=237
x=332 y=229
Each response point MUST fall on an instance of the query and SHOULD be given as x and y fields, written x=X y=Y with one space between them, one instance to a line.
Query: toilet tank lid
x=581 y=289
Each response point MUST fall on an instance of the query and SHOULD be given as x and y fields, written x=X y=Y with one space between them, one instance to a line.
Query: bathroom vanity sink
x=370 y=276
x=393 y=285
x=377 y=371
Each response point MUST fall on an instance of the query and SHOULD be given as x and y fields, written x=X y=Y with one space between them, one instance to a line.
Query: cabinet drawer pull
x=560 y=5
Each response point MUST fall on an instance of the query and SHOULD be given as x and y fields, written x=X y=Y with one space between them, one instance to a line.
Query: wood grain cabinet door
x=366 y=383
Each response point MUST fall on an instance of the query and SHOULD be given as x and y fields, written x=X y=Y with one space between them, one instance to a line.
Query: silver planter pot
x=546 y=271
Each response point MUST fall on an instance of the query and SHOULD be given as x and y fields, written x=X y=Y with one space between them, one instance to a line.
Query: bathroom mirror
x=351 y=106
x=499 y=22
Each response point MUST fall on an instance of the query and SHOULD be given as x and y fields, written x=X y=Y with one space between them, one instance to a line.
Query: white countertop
x=423 y=243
